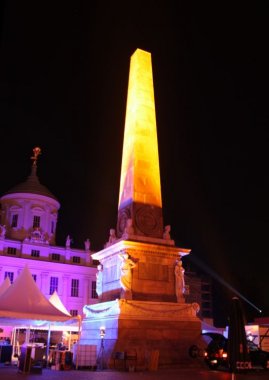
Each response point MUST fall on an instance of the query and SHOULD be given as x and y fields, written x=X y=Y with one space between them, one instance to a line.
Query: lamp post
x=102 y=348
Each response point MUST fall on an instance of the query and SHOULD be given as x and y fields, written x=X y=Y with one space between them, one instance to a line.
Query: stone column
x=86 y=290
x=65 y=288
x=44 y=283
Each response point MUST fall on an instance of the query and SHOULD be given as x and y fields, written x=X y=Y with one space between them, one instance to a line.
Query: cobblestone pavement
x=11 y=373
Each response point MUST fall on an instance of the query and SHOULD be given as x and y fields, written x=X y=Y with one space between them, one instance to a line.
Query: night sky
x=64 y=74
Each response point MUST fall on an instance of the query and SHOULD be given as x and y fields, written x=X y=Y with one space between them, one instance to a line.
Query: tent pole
x=48 y=346
x=78 y=342
x=27 y=335
x=13 y=340
x=69 y=341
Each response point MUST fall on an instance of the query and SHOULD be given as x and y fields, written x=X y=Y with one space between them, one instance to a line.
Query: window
x=205 y=288
x=10 y=275
x=76 y=259
x=74 y=313
x=206 y=305
x=36 y=221
x=11 y=251
x=94 y=294
x=14 y=221
x=34 y=277
x=206 y=296
x=74 y=287
x=53 y=284
x=35 y=253
x=207 y=314
x=55 y=257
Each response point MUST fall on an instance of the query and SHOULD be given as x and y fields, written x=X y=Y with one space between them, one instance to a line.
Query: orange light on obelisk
x=140 y=173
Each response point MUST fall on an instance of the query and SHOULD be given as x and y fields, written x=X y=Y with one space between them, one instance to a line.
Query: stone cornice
x=144 y=310
x=139 y=247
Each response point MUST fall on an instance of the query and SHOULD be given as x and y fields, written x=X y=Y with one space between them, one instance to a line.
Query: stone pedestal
x=153 y=276
x=143 y=326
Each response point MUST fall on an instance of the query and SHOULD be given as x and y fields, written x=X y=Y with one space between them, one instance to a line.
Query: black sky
x=64 y=76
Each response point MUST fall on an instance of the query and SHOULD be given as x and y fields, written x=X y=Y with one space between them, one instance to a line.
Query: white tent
x=5 y=284
x=56 y=301
x=24 y=301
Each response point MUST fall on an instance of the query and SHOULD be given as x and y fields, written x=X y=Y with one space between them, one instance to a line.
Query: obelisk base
x=142 y=327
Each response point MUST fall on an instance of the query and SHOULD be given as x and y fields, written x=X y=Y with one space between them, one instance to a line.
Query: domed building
x=29 y=214
x=29 y=210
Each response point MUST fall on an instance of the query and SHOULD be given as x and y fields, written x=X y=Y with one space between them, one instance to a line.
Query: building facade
x=29 y=215
x=198 y=288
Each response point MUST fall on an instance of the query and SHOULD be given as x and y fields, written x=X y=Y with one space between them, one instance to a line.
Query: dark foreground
x=11 y=372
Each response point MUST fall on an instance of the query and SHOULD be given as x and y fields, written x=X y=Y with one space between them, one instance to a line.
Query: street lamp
x=102 y=332
x=102 y=348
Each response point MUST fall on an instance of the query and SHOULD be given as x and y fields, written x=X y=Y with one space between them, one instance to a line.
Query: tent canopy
x=24 y=301
x=5 y=284
x=56 y=301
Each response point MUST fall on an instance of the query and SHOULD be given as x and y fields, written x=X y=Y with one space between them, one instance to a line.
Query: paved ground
x=11 y=373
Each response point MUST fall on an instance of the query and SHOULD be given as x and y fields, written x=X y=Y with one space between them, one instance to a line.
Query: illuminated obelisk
x=140 y=190
x=140 y=280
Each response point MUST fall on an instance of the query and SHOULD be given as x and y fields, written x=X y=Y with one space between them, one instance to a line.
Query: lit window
x=53 y=284
x=74 y=287
x=35 y=253
x=76 y=259
x=36 y=221
x=11 y=251
x=10 y=275
x=55 y=257
x=74 y=313
x=14 y=221
x=94 y=294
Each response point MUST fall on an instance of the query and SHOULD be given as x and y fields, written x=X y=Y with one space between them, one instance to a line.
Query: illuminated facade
x=29 y=214
x=141 y=278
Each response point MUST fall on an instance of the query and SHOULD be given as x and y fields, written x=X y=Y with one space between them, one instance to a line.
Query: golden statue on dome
x=37 y=152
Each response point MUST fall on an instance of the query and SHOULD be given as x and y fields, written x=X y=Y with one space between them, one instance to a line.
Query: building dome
x=29 y=211
x=31 y=186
